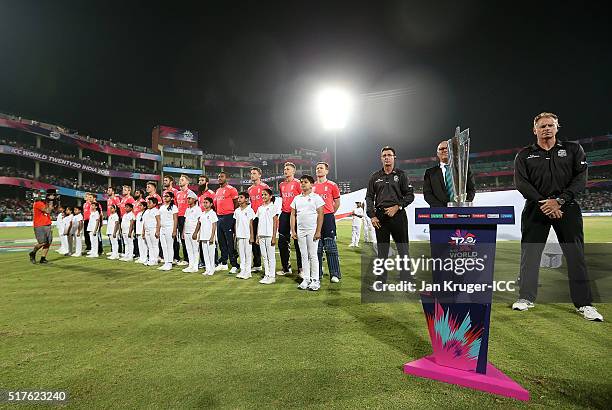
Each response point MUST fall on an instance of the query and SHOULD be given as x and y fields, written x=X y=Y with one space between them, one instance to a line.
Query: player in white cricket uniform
x=267 y=228
x=192 y=216
x=127 y=232
x=152 y=226
x=168 y=214
x=357 y=221
x=307 y=208
x=112 y=231
x=244 y=216
x=207 y=232
x=68 y=216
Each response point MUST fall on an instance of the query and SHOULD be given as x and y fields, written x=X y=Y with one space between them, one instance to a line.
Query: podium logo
x=463 y=237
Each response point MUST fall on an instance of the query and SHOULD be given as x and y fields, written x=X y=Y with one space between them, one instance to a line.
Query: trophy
x=458 y=158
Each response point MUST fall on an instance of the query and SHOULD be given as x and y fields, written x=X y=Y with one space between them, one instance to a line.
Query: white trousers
x=193 y=253
x=245 y=252
x=78 y=247
x=208 y=251
x=142 y=248
x=268 y=256
x=310 y=260
x=153 y=245
x=167 y=244
x=369 y=235
x=356 y=233
x=128 y=246
x=93 y=238
x=114 y=246
x=64 y=248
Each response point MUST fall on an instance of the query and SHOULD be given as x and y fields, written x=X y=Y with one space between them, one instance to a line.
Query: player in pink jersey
x=181 y=200
x=152 y=192
x=226 y=201
x=255 y=191
x=289 y=189
x=330 y=193
x=168 y=182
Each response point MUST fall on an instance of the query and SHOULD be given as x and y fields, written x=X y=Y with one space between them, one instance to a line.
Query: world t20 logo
x=462 y=237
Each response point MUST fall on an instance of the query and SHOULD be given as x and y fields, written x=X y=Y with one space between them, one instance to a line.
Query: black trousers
x=395 y=227
x=284 y=242
x=255 y=247
x=87 y=240
x=535 y=227
x=180 y=227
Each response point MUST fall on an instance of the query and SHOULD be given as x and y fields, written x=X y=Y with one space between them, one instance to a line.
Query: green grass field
x=117 y=335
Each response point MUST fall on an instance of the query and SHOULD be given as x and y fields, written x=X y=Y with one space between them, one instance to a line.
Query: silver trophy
x=458 y=159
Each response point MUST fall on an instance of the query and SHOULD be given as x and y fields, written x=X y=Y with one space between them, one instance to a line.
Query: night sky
x=244 y=74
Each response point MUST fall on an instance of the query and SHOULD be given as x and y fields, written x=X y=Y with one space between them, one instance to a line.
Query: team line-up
x=148 y=229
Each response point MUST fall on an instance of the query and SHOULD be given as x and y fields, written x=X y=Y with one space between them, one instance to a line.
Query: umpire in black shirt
x=388 y=194
x=549 y=174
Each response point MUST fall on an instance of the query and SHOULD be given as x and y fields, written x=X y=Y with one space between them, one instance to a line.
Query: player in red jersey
x=226 y=201
x=180 y=199
x=289 y=189
x=255 y=191
x=330 y=193
x=204 y=191
x=86 y=213
x=168 y=182
x=152 y=192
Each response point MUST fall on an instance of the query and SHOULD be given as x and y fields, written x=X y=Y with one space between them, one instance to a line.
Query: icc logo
x=463 y=238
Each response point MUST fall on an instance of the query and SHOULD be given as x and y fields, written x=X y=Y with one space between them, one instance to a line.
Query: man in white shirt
x=356 y=227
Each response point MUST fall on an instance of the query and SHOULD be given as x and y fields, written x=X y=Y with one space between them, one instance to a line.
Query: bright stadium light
x=334 y=107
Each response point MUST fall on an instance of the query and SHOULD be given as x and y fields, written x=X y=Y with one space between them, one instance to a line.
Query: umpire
x=549 y=174
x=387 y=196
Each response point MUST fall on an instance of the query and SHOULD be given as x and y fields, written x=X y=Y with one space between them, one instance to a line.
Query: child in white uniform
x=93 y=229
x=112 y=231
x=244 y=216
x=192 y=216
x=127 y=232
x=357 y=221
x=143 y=250
x=152 y=225
x=307 y=208
x=77 y=231
x=267 y=228
x=60 y=230
x=207 y=230
x=168 y=214
x=68 y=216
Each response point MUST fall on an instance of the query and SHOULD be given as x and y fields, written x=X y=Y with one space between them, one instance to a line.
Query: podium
x=458 y=320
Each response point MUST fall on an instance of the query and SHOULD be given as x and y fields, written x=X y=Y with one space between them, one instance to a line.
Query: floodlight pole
x=335 y=133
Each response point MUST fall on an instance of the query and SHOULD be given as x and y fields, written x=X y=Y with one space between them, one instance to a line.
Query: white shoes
x=221 y=267
x=590 y=313
x=522 y=305
x=256 y=269
x=304 y=284
x=210 y=272
x=91 y=256
x=283 y=273
x=76 y=255
x=234 y=270
x=190 y=269
x=166 y=266
x=109 y=253
x=314 y=285
x=267 y=280
x=113 y=257
x=182 y=263
x=335 y=279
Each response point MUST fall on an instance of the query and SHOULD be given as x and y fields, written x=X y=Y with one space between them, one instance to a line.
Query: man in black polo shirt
x=549 y=174
x=387 y=196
